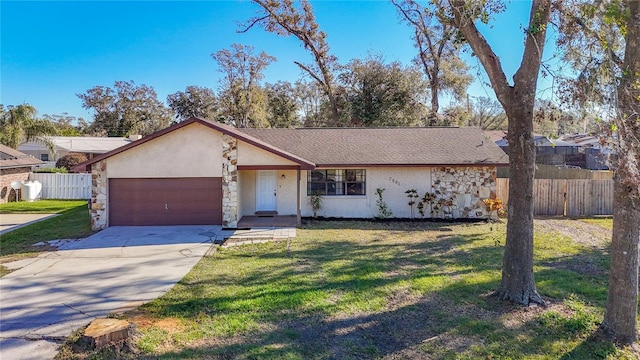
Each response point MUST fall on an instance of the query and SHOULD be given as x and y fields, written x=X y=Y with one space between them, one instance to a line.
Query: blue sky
x=52 y=50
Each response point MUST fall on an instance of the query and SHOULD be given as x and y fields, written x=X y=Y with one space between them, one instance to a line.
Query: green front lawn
x=73 y=222
x=362 y=290
x=40 y=206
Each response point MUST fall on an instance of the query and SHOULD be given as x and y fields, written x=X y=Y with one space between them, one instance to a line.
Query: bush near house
x=70 y=160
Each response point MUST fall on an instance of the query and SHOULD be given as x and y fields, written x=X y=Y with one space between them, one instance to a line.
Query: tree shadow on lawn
x=434 y=294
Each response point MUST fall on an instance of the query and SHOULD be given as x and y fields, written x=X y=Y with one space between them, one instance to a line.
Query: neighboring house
x=89 y=146
x=552 y=151
x=577 y=150
x=202 y=172
x=597 y=154
x=14 y=166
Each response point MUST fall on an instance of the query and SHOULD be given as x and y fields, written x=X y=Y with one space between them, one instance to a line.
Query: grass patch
x=73 y=222
x=605 y=222
x=40 y=206
x=360 y=290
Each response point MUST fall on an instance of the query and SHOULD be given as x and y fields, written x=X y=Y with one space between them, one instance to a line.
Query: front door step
x=266 y=213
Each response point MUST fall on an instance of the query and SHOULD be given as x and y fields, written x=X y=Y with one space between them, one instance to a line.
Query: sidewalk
x=10 y=222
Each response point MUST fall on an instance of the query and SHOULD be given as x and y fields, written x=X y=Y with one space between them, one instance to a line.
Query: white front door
x=266 y=190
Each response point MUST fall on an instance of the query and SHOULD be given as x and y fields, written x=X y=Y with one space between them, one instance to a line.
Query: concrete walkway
x=10 y=222
x=113 y=270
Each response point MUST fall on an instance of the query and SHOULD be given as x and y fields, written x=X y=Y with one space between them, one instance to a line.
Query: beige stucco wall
x=287 y=197
x=251 y=155
x=247 y=192
x=241 y=192
x=286 y=192
x=192 y=151
x=395 y=181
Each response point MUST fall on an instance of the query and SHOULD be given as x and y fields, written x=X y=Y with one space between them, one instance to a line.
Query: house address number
x=394 y=180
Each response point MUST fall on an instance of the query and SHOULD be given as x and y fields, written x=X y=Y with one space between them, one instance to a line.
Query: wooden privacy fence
x=64 y=186
x=566 y=197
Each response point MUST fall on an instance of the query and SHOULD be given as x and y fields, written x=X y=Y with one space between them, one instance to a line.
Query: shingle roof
x=10 y=158
x=385 y=146
x=355 y=146
x=495 y=135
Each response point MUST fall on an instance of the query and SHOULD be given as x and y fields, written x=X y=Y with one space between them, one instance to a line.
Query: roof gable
x=225 y=129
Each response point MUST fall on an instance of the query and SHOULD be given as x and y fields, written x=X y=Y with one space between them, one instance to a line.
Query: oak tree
x=487 y=114
x=383 y=94
x=438 y=51
x=282 y=108
x=67 y=125
x=601 y=42
x=310 y=100
x=518 y=100
x=194 y=101
x=285 y=18
x=240 y=95
x=125 y=109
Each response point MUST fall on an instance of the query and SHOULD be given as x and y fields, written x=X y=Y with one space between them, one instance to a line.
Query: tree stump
x=107 y=332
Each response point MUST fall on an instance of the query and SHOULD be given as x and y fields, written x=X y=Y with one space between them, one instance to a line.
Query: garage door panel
x=166 y=201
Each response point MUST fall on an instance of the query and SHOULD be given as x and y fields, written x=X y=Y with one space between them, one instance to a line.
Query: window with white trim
x=336 y=182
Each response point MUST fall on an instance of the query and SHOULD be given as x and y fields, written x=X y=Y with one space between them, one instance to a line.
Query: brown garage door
x=166 y=201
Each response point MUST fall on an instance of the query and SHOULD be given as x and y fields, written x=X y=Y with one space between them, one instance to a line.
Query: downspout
x=299 y=217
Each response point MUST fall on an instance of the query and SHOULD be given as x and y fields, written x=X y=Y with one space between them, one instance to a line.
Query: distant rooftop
x=11 y=158
x=81 y=144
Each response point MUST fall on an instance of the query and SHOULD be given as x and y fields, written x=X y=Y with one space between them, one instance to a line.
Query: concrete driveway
x=10 y=222
x=116 y=269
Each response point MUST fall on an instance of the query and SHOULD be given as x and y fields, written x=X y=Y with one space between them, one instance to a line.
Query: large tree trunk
x=518 y=283
x=335 y=113
x=518 y=100
x=435 y=105
x=621 y=313
x=620 y=319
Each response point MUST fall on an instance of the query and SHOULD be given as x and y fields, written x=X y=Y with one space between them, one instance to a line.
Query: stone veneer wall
x=7 y=176
x=99 y=184
x=467 y=187
x=229 y=181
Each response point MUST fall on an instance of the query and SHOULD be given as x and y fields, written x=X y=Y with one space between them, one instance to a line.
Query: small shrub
x=426 y=199
x=51 y=170
x=383 y=209
x=412 y=194
x=444 y=207
x=494 y=207
x=315 y=201
x=70 y=160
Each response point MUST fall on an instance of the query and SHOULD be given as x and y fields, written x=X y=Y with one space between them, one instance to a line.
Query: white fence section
x=64 y=186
